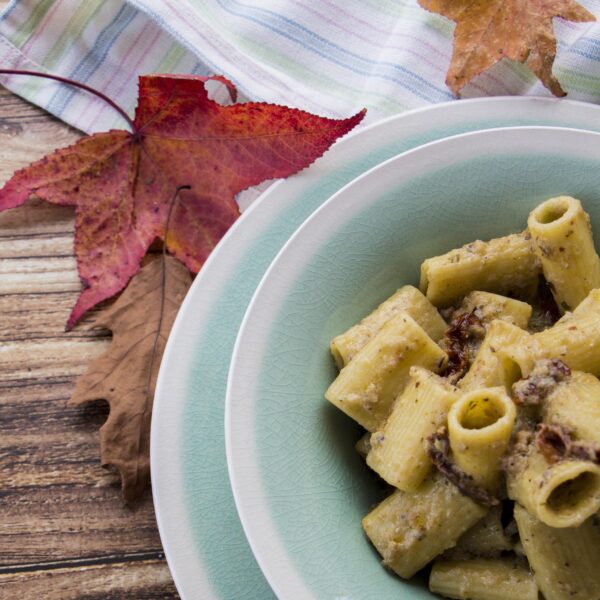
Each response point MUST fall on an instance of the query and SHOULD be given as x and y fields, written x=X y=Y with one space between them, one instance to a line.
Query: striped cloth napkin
x=331 y=57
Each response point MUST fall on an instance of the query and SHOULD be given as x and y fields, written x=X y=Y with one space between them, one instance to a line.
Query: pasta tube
x=575 y=404
x=399 y=451
x=490 y=307
x=575 y=339
x=591 y=303
x=483 y=580
x=486 y=539
x=487 y=370
x=480 y=425
x=506 y=265
x=367 y=386
x=410 y=529
x=562 y=494
x=563 y=242
x=407 y=299
x=565 y=561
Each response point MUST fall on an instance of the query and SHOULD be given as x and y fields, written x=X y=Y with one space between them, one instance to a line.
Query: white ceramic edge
x=187 y=575
x=184 y=564
x=240 y=442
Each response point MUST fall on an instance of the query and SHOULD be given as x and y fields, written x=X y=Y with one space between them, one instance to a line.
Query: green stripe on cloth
x=329 y=57
x=334 y=88
x=77 y=23
x=175 y=54
x=38 y=13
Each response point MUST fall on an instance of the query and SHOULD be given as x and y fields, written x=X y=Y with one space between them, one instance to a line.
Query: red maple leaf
x=122 y=182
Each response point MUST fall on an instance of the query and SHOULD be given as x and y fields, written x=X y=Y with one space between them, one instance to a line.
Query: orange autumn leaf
x=490 y=30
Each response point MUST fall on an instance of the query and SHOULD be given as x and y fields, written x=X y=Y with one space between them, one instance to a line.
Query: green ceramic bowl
x=300 y=488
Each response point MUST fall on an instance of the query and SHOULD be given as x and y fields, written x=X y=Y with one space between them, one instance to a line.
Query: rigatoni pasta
x=411 y=528
x=484 y=579
x=486 y=539
x=563 y=242
x=506 y=265
x=560 y=494
x=484 y=417
x=480 y=425
x=407 y=299
x=367 y=386
x=491 y=307
x=565 y=561
x=575 y=340
x=398 y=452
x=575 y=404
x=489 y=368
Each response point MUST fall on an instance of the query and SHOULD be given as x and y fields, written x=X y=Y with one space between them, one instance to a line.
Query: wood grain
x=141 y=577
x=64 y=532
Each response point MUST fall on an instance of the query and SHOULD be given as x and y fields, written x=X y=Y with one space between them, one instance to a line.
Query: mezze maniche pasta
x=481 y=400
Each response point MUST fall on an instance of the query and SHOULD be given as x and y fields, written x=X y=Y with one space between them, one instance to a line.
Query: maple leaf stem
x=174 y=199
x=74 y=83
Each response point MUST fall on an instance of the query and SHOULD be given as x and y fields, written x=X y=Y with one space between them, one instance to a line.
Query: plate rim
x=182 y=556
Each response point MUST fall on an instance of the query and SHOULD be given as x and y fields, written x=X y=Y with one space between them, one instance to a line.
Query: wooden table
x=64 y=532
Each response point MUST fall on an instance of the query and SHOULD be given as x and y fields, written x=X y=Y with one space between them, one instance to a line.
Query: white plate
x=203 y=540
x=300 y=487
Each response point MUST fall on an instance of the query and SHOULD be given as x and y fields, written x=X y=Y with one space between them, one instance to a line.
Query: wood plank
x=39 y=275
x=139 y=579
x=42 y=316
x=39 y=245
x=65 y=522
x=64 y=531
x=30 y=360
x=57 y=501
x=35 y=217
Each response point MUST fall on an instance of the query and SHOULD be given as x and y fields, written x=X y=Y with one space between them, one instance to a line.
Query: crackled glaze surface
x=204 y=542
x=300 y=487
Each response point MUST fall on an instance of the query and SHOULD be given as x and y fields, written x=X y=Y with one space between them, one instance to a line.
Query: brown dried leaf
x=489 y=30
x=125 y=375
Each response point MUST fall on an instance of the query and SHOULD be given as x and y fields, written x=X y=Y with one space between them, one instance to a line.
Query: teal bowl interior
x=316 y=485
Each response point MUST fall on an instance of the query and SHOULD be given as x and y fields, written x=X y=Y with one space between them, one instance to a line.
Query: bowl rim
x=256 y=531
